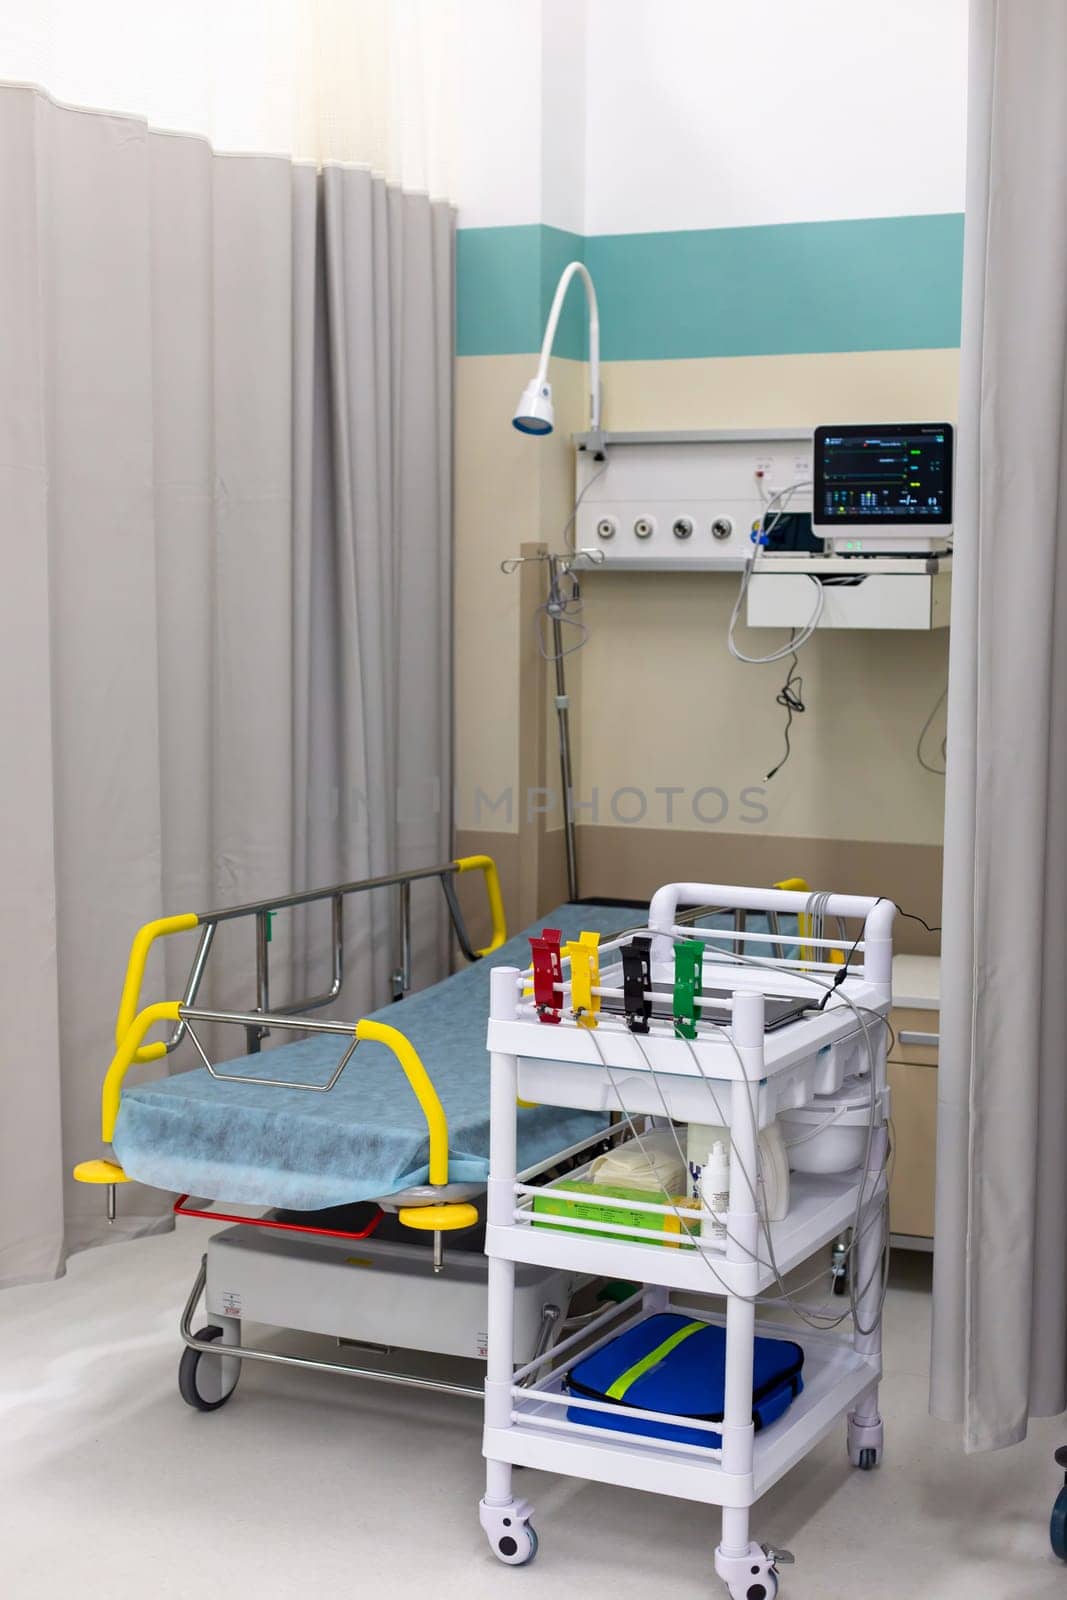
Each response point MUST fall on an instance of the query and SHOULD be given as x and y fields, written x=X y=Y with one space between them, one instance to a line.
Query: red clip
x=547 y=974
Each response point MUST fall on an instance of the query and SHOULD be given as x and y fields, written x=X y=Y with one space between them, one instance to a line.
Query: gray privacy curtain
x=1000 y=1267
x=225 y=458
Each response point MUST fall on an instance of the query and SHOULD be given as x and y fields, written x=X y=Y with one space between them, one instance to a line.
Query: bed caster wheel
x=866 y=1441
x=206 y=1382
x=511 y=1537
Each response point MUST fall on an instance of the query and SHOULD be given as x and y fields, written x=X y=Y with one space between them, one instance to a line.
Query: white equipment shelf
x=835 y=1377
x=881 y=592
x=747 y=1074
x=820 y=1209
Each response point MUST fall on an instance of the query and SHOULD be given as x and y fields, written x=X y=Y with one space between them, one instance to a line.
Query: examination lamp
x=534 y=412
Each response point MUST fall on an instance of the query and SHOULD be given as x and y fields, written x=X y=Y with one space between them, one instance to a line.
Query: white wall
x=631 y=116
x=715 y=114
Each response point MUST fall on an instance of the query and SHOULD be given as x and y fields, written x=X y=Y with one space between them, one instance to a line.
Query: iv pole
x=563 y=719
x=535 y=415
x=561 y=566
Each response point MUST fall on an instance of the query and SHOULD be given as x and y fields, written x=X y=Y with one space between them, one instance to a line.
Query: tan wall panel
x=658 y=702
x=767 y=391
x=630 y=863
x=663 y=704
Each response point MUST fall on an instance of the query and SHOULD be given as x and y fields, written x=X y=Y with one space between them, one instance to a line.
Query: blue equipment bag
x=671 y=1364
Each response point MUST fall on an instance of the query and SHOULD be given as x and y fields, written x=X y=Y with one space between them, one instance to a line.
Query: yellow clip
x=143 y=941
x=438 y=1219
x=584 y=953
x=486 y=865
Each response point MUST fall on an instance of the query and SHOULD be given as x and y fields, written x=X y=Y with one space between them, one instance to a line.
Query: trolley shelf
x=707 y=1057
x=835 y=1377
x=820 y=1208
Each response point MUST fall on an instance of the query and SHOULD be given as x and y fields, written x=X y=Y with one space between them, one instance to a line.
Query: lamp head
x=535 y=412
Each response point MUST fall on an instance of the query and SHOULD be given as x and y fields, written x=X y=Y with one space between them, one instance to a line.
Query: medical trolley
x=761 y=1027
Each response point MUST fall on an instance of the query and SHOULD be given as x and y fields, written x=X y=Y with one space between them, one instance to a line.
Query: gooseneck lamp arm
x=535 y=413
x=579 y=270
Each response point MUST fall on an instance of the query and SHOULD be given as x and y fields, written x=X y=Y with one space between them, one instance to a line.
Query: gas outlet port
x=607 y=528
x=722 y=528
x=683 y=528
x=644 y=527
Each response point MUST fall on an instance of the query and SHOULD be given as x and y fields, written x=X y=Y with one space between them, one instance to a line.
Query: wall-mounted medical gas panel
x=686 y=501
x=663 y=502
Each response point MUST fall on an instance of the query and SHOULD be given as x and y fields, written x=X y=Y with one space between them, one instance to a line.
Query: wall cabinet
x=912 y=1069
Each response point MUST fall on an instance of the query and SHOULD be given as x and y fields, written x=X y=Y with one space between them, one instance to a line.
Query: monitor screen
x=873 y=475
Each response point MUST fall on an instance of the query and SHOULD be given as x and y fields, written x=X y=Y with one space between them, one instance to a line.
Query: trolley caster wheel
x=204 y=1381
x=1058 y=1526
x=763 y=1587
x=512 y=1538
x=754 y=1576
x=866 y=1441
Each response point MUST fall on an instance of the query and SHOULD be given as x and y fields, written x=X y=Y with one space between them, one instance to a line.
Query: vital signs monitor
x=882 y=487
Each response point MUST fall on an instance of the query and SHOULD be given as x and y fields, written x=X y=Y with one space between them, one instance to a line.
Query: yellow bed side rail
x=422 y=1088
x=419 y=1079
x=127 y=1053
x=487 y=866
x=143 y=940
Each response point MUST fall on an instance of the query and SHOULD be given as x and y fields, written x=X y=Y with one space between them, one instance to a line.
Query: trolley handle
x=876 y=914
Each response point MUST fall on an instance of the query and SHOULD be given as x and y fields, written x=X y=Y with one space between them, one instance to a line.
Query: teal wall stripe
x=878 y=283
x=505 y=279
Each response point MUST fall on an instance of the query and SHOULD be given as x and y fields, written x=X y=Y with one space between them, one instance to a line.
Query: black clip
x=636 y=982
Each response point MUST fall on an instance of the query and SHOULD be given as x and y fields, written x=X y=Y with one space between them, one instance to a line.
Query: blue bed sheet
x=253 y=1145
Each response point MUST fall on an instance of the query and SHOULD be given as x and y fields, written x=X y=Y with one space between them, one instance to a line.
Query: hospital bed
x=360 y=1149
x=345 y=1160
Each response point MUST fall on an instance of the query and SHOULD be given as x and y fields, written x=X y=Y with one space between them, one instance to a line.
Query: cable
x=789 y=697
x=912 y=917
x=795 y=641
x=563 y=606
x=939 y=772
x=869 y=1208
x=569 y=524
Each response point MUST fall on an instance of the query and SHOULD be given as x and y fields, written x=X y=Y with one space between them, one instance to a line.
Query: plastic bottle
x=715 y=1193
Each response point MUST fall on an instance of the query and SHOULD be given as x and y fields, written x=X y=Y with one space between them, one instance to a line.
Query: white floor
x=306 y=1484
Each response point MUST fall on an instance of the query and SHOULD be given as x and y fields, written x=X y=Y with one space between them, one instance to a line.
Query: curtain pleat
x=225 y=463
x=1000 y=1266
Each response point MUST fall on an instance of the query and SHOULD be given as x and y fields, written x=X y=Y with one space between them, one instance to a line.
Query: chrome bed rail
x=262 y=912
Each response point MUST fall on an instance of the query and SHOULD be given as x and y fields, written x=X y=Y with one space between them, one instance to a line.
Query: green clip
x=270 y=926
x=688 y=975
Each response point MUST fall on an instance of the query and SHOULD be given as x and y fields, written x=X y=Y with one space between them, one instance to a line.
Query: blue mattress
x=253 y=1145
